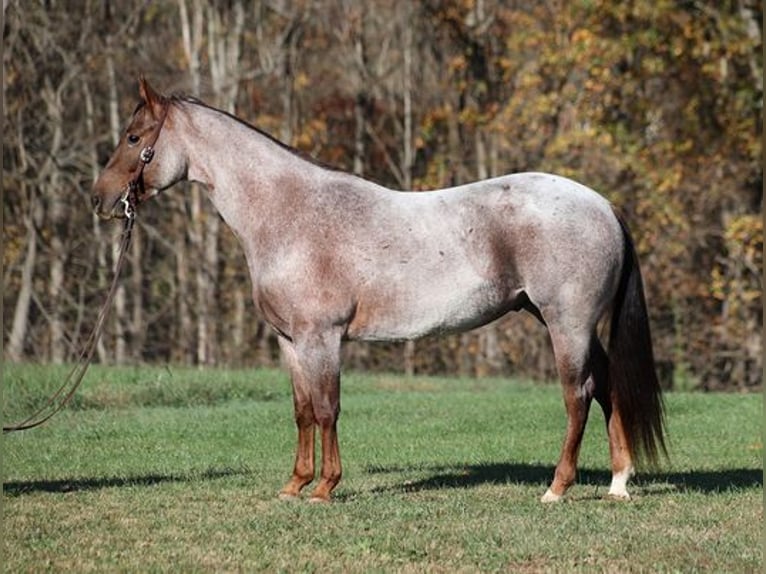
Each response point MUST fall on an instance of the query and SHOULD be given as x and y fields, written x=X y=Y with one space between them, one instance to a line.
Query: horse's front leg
x=331 y=467
x=314 y=361
x=321 y=355
x=303 y=471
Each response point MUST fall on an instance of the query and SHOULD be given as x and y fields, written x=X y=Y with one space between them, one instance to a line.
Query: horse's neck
x=244 y=171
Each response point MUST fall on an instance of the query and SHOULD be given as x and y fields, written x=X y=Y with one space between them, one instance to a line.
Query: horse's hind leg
x=619 y=452
x=572 y=352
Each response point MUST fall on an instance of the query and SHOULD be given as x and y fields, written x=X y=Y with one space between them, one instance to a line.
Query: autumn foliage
x=656 y=104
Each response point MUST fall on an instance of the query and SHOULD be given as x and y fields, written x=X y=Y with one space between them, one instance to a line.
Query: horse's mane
x=183 y=99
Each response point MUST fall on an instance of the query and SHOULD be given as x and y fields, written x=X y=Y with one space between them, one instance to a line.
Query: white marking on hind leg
x=549 y=496
x=618 y=488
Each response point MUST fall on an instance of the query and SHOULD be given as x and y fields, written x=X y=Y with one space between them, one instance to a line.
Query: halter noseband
x=135 y=192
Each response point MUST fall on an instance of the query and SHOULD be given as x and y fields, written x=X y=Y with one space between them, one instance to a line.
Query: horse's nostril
x=95 y=201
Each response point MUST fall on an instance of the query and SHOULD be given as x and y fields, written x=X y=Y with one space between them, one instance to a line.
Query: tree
x=658 y=105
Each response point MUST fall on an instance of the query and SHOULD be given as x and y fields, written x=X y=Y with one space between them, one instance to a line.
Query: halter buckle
x=146 y=154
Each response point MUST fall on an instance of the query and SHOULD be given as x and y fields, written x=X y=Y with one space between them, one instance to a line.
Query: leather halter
x=135 y=193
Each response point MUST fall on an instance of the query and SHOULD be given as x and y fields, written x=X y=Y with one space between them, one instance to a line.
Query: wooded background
x=656 y=104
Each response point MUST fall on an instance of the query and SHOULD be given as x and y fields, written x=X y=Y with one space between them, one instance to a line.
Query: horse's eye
x=133 y=139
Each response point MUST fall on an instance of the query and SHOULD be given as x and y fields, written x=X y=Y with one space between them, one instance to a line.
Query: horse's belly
x=439 y=309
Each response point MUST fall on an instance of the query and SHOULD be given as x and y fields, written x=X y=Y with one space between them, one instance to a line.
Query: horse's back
x=456 y=258
x=540 y=218
x=549 y=197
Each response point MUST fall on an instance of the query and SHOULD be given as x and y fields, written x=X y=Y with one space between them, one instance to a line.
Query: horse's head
x=144 y=162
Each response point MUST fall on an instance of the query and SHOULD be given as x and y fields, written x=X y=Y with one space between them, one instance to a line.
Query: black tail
x=632 y=374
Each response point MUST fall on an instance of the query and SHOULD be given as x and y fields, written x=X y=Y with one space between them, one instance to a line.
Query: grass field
x=177 y=470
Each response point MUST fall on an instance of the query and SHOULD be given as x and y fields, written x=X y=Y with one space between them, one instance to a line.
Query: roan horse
x=333 y=257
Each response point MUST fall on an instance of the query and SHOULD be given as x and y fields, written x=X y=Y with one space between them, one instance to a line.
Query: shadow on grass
x=467 y=476
x=17 y=488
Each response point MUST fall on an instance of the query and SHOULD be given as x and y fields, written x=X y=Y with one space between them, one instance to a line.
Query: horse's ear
x=153 y=99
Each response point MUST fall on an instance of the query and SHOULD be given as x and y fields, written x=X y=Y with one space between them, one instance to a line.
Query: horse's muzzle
x=105 y=211
x=95 y=202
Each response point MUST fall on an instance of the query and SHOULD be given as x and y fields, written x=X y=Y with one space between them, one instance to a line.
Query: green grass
x=177 y=470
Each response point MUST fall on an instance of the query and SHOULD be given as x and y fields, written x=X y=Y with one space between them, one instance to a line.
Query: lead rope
x=130 y=200
x=64 y=394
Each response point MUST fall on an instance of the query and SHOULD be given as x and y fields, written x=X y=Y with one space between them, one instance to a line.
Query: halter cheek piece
x=130 y=198
x=135 y=191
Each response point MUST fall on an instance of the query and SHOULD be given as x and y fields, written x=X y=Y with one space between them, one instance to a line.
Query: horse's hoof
x=286 y=496
x=550 y=496
x=618 y=496
x=319 y=500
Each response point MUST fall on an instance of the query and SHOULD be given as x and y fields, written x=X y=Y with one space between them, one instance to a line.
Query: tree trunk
x=98 y=236
x=15 y=348
x=362 y=99
x=202 y=307
x=137 y=322
x=288 y=90
x=52 y=190
x=407 y=154
x=120 y=299
x=224 y=41
x=181 y=350
x=193 y=40
x=237 y=328
x=191 y=34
